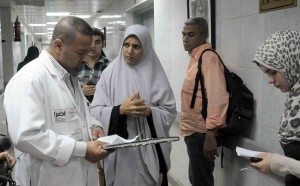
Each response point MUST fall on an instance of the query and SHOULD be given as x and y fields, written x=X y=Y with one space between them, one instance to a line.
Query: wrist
x=148 y=112
x=96 y=126
x=211 y=132
x=120 y=110
x=79 y=149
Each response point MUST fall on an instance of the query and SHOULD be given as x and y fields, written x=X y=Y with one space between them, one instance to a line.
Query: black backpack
x=240 y=109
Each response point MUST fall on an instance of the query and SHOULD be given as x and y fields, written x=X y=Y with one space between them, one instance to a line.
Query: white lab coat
x=42 y=116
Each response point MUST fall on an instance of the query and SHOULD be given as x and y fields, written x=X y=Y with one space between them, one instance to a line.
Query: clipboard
x=136 y=143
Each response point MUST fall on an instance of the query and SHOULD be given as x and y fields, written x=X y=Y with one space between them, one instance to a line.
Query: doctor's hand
x=97 y=132
x=94 y=151
x=135 y=106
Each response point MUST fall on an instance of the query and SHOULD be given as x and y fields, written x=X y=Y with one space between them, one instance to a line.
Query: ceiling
x=34 y=11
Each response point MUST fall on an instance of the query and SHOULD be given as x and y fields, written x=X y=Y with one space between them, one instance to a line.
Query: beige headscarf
x=118 y=82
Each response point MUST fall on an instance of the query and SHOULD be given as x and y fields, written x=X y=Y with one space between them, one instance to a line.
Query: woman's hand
x=265 y=164
x=135 y=106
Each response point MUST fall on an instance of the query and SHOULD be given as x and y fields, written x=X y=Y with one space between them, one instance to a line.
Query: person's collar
x=103 y=59
x=60 y=70
x=198 y=50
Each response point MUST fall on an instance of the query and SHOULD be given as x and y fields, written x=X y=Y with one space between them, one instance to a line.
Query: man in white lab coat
x=48 y=117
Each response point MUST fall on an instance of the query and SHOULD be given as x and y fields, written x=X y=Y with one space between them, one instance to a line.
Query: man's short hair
x=67 y=28
x=98 y=32
x=201 y=22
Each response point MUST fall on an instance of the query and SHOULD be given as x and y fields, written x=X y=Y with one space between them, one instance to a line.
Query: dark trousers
x=292 y=150
x=200 y=168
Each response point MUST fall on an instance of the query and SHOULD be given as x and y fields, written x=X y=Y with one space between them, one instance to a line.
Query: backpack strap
x=199 y=77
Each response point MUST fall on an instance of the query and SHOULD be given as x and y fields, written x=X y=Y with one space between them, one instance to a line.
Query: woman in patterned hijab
x=133 y=97
x=279 y=58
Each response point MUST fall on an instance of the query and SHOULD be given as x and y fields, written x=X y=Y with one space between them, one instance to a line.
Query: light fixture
x=51 y=23
x=40 y=33
x=32 y=24
x=57 y=13
x=110 y=16
x=82 y=16
x=116 y=22
x=50 y=28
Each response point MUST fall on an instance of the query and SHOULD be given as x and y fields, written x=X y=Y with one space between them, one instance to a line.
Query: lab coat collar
x=53 y=66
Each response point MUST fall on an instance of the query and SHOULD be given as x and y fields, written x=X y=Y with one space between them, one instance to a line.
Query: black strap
x=162 y=163
x=222 y=156
x=4 y=179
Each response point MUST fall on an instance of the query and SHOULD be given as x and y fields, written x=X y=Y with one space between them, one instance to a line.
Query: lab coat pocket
x=67 y=122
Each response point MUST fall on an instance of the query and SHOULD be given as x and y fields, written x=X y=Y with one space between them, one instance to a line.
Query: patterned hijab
x=281 y=52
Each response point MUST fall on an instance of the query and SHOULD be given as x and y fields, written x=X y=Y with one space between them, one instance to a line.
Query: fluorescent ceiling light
x=51 y=23
x=50 y=28
x=110 y=16
x=57 y=13
x=117 y=22
x=82 y=16
x=37 y=24
x=40 y=33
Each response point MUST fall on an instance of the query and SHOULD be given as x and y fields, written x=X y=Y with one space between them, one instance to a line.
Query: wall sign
x=270 y=5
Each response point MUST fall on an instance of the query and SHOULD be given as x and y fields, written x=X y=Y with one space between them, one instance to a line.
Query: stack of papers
x=246 y=153
x=116 y=139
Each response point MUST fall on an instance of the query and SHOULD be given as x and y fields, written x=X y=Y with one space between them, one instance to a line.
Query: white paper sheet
x=246 y=153
x=116 y=139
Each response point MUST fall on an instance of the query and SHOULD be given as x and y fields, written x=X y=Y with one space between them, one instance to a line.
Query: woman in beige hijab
x=134 y=97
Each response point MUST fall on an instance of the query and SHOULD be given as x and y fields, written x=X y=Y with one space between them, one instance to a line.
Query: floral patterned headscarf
x=281 y=52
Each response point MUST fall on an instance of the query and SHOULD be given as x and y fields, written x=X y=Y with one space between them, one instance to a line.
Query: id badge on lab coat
x=63 y=115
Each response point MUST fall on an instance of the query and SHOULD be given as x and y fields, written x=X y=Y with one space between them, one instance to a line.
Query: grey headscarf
x=281 y=52
x=118 y=82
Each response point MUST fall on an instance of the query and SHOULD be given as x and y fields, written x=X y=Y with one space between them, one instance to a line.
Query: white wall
x=169 y=16
x=240 y=29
